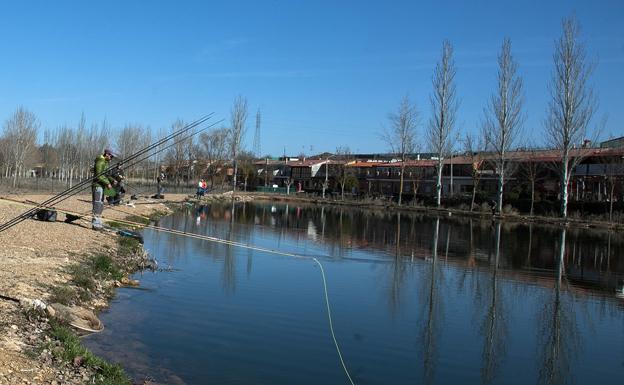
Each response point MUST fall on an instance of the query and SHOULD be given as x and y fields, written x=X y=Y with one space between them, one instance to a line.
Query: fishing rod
x=80 y=186
x=63 y=196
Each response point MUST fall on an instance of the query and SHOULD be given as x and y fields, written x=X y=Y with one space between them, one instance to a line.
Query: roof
x=366 y=164
x=308 y=162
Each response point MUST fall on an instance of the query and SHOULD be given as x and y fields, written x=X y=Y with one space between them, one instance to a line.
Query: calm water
x=415 y=300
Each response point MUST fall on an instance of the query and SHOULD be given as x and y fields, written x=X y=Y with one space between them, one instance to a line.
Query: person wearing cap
x=100 y=182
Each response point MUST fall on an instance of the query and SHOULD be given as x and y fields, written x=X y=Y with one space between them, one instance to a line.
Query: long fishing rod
x=80 y=186
x=60 y=198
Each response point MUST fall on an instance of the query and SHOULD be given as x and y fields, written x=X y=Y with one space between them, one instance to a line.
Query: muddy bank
x=58 y=262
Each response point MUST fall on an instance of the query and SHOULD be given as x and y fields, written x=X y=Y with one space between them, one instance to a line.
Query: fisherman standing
x=159 y=181
x=100 y=182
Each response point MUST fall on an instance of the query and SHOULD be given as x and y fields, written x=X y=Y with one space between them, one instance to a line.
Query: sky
x=323 y=74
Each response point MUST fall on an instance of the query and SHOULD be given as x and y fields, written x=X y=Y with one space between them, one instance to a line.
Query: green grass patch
x=63 y=294
x=104 y=266
x=116 y=225
x=138 y=219
x=70 y=348
x=155 y=216
x=128 y=246
x=84 y=277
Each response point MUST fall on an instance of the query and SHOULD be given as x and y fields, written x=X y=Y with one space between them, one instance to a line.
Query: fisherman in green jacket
x=100 y=182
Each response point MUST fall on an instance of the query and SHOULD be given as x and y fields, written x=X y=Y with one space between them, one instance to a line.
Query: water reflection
x=493 y=327
x=558 y=332
x=432 y=308
x=467 y=242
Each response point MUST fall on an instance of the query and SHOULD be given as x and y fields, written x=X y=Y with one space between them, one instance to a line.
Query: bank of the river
x=386 y=205
x=57 y=262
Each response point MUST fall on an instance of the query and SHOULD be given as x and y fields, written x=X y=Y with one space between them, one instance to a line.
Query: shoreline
x=59 y=262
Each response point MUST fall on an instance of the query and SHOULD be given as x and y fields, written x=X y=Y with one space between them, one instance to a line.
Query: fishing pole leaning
x=126 y=162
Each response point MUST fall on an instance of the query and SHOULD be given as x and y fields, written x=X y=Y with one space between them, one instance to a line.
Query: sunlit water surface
x=415 y=300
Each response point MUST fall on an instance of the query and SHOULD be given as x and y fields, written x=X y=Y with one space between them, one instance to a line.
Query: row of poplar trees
x=566 y=124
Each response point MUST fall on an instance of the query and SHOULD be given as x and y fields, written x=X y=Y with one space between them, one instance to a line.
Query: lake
x=415 y=299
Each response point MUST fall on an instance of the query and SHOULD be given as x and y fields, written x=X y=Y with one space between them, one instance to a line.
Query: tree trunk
x=234 y=180
x=532 y=196
x=439 y=183
x=611 y=200
x=15 y=176
x=564 y=187
x=401 y=181
x=501 y=183
x=474 y=194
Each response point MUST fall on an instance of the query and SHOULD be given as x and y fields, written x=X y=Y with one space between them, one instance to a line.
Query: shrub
x=508 y=209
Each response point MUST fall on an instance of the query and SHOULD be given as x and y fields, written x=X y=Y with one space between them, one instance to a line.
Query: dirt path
x=33 y=255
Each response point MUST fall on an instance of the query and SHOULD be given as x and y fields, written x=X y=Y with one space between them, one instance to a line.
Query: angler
x=100 y=182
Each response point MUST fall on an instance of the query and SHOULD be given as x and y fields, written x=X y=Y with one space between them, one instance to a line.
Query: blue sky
x=323 y=73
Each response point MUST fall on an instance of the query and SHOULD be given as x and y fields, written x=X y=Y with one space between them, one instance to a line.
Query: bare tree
x=613 y=168
x=49 y=154
x=130 y=139
x=345 y=172
x=289 y=181
x=572 y=103
x=213 y=146
x=246 y=168
x=20 y=131
x=532 y=171
x=473 y=148
x=417 y=173
x=503 y=116
x=444 y=107
x=401 y=135
x=176 y=155
x=238 y=119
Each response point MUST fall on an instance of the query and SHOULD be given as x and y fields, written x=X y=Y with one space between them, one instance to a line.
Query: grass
x=116 y=225
x=70 y=347
x=63 y=294
x=155 y=216
x=138 y=219
x=128 y=246
x=84 y=276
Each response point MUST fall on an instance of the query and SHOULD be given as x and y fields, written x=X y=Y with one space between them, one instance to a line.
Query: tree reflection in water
x=558 y=336
x=494 y=326
x=229 y=269
x=432 y=310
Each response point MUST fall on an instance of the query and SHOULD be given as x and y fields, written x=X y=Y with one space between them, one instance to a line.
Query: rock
x=78 y=317
x=14 y=327
x=51 y=312
x=78 y=361
x=129 y=282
